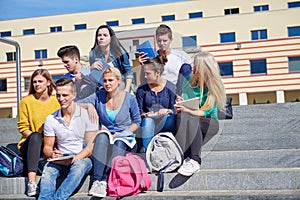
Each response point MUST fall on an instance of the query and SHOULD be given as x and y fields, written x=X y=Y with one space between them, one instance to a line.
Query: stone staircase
x=256 y=155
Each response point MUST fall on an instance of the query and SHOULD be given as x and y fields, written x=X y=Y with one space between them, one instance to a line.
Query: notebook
x=192 y=104
x=147 y=48
x=96 y=75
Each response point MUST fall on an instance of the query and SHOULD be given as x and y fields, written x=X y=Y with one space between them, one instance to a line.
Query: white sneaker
x=189 y=167
x=32 y=188
x=98 y=189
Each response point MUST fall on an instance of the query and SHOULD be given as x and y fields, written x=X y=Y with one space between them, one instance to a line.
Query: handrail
x=18 y=66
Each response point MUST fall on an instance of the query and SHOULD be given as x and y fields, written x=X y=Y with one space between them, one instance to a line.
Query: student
x=108 y=49
x=174 y=58
x=68 y=131
x=33 y=111
x=193 y=125
x=119 y=113
x=70 y=56
x=155 y=96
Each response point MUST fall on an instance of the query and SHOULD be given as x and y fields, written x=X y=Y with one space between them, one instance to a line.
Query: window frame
x=13 y=56
x=261 y=34
x=29 y=31
x=138 y=20
x=112 y=23
x=231 y=11
x=194 y=15
x=5 y=34
x=227 y=37
x=295 y=4
x=189 y=41
x=55 y=29
x=3 y=85
x=293 y=59
x=261 y=8
x=80 y=27
x=165 y=18
x=255 y=66
x=40 y=54
x=293 y=31
x=226 y=65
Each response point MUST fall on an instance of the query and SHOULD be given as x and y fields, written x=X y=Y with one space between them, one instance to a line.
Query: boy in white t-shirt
x=174 y=58
x=68 y=131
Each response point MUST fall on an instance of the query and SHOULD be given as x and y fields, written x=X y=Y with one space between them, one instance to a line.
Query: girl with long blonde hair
x=193 y=125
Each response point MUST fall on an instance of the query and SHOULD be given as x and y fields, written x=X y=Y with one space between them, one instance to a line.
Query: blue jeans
x=151 y=126
x=74 y=175
x=103 y=154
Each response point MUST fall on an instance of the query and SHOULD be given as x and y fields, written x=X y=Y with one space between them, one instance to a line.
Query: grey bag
x=163 y=149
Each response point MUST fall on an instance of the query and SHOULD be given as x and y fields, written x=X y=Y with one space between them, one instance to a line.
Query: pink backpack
x=128 y=176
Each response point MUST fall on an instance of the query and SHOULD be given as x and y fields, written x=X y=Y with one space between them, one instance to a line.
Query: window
x=26 y=83
x=168 y=18
x=294 y=64
x=56 y=29
x=261 y=8
x=295 y=4
x=5 y=34
x=231 y=11
x=189 y=41
x=11 y=56
x=259 y=34
x=40 y=54
x=226 y=68
x=294 y=31
x=135 y=42
x=138 y=21
x=80 y=26
x=113 y=23
x=227 y=37
x=195 y=15
x=258 y=66
x=28 y=32
x=3 y=85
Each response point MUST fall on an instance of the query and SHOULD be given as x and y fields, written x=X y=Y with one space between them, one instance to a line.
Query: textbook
x=192 y=104
x=126 y=136
x=154 y=115
x=147 y=48
x=63 y=160
x=96 y=75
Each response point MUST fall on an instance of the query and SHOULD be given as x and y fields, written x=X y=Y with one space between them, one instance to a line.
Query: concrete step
x=266 y=110
x=191 y=195
x=205 y=180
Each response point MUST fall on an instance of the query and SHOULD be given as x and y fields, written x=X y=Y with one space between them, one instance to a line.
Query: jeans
x=103 y=154
x=151 y=126
x=74 y=175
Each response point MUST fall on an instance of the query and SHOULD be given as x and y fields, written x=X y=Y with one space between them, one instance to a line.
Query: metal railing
x=18 y=67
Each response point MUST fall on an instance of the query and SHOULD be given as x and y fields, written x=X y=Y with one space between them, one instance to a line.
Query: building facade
x=256 y=43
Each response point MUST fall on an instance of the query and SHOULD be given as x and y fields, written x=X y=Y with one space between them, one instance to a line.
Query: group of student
x=72 y=123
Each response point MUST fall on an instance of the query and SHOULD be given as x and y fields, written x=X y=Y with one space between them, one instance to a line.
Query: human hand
x=93 y=115
x=179 y=98
x=97 y=65
x=163 y=111
x=143 y=57
x=56 y=153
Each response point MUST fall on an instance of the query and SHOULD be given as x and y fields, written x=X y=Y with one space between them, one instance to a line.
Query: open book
x=192 y=104
x=63 y=160
x=126 y=136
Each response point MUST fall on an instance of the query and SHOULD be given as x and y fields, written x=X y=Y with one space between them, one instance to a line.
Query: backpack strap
x=138 y=166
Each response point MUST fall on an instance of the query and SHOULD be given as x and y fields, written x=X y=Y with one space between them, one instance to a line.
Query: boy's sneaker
x=32 y=188
x=98 y=189
x=189 y=167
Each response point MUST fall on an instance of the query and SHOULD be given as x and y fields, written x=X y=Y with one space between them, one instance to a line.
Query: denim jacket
x=122 y=64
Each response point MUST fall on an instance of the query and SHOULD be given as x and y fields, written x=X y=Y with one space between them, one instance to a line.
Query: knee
x=101 y=139
x=82 y=165
x=36 y=137
x=147 y=122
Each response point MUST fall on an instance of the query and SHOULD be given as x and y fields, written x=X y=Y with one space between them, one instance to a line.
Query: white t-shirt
x=172 y=67
x=70 y=139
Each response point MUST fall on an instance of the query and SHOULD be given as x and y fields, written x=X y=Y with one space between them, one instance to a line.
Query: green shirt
x=191 y=92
